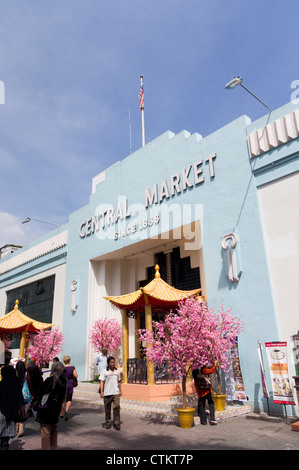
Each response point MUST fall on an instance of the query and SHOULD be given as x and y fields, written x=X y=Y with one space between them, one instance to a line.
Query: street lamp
x=38 y=220
x=238 y=81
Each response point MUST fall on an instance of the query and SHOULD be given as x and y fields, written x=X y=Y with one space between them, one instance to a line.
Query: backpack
x=47 y=401
x=203 y=381
x=26 y=392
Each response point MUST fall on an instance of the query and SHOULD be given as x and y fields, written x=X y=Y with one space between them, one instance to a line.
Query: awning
x=16 y=322
x=157 y=292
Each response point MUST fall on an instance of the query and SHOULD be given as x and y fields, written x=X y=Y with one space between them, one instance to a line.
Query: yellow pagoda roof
x=156 y=292
x=15 y=322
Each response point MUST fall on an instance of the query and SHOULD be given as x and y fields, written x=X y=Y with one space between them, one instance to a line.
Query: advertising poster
x=277 y=357
x=264 y=385
x=233 y=378
x=229 y=381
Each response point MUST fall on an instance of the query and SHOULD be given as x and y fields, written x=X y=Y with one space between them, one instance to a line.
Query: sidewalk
x=150 y=432
x=84 y=431
x=87 y=393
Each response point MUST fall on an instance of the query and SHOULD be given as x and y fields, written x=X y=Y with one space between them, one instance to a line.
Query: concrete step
x=87 y=394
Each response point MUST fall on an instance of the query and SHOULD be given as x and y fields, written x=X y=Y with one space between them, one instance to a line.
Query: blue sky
x=71 y=71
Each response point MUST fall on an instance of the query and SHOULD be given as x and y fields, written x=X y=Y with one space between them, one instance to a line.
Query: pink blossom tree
x=106 y=333
x=190 y=338
x=225 y=332
x=45 y=345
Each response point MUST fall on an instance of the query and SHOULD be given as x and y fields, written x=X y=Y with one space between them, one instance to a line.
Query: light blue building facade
x=227 y=201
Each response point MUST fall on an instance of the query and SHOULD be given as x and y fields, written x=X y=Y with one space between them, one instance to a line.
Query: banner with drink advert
x=277 y=358
x=233 y=378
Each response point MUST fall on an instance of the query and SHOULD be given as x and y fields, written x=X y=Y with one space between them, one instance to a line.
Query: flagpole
x=142 y=110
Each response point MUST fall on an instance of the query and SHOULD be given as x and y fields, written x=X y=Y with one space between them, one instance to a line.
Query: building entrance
x=177 y=272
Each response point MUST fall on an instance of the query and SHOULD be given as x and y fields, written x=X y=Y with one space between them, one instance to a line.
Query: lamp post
x=38 y=220
x=238 y=81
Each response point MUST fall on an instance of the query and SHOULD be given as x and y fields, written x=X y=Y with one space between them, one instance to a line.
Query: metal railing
x=137 y=372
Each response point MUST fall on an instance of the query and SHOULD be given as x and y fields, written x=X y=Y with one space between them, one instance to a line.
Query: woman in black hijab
x=11 y=401
x=21 y=372
x=48 y=414
x=35 y=382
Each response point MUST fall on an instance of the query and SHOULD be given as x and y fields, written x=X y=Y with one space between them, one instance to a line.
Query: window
x=35 y=301
x=175 y=270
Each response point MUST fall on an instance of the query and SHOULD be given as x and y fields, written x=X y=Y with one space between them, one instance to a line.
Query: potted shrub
x=187 y=339
x=182 y=341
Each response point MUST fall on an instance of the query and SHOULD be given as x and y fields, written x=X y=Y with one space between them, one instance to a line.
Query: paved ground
x=84 y=431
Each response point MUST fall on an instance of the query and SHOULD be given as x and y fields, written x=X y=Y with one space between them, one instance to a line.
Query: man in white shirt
x=101 y=360
x=110 y=387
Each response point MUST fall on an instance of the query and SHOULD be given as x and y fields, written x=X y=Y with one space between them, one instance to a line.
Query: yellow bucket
x=220 y=401
x=186 y=416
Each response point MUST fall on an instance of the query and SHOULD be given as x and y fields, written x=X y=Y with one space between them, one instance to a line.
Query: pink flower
x=106 y=333
x=45 y=345
x=190 y=338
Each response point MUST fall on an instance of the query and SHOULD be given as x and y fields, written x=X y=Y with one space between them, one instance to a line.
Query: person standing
x=11 y=402
x=21 y=375
x=70 y=373
x=101 y=360
x=110 y=389
x=204 y=392
x=35 y=382
x=7 y=362
x=48 y=413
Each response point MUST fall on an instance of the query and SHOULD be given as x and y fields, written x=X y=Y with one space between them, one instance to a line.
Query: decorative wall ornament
x=229 y=247
x=74 y=286
x=273 y=135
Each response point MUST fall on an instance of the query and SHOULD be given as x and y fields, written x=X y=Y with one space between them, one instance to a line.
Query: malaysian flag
x=141 y=96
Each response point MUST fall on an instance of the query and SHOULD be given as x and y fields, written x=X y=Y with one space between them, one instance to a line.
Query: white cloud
x=10 y=229
x=12 y=232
